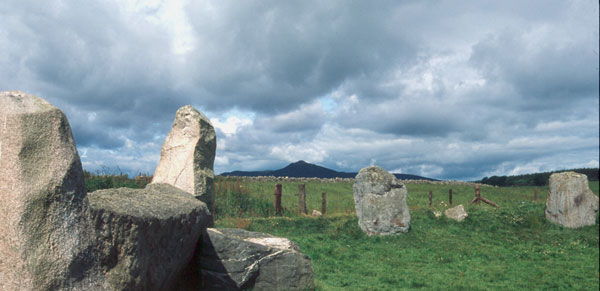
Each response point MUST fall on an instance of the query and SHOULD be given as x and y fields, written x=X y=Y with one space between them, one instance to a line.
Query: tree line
x=537 y=179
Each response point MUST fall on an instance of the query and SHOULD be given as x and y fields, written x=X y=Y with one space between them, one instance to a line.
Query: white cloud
x=231 y=125
x=293 y=153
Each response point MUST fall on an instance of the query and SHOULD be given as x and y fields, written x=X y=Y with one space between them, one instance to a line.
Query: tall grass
x=234 y=198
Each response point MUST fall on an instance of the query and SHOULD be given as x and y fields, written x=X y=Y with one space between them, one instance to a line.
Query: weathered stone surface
x=44 y=217
x=235 y=259
x=146 y=237
x=188 y=154
x=457 y=213
x=571 y=202
x=380 y=201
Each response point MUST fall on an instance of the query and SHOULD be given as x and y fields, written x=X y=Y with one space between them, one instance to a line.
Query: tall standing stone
x=188 y=155
x=44 y=215
x=571 y=202
x=380 y=201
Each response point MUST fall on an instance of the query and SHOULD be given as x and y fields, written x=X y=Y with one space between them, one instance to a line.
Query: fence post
x=323 y=203
x=478 y=194
x=302 y=198
x=535 y=194
x=430 y=197
x=450 y=196
x=278 y=199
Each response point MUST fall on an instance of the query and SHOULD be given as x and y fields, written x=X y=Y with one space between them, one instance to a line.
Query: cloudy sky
x=444 y=89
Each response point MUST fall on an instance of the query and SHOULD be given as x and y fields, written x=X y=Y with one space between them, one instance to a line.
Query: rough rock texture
x=44 y=216
x=457 y=213
x=235 y=259
x=380 y=201
x=146 y=236
x=188 y=154
x=571 y=202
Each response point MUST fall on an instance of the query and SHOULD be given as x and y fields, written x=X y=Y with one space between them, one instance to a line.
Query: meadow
x=512 y=247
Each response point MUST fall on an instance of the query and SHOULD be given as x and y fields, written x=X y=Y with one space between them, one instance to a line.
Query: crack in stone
x=181 y=172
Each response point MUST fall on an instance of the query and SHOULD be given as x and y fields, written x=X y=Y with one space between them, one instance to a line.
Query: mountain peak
x=306 y=170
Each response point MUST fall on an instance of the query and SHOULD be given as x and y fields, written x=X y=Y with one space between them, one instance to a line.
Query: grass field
x=512 y=247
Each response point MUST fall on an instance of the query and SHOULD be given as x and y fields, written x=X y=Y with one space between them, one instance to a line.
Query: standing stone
x=571 y=202
x=188 y=155
x=44 y=215
x=380 y=201
x=236 y=259
x=457 y=213
x=146 y=237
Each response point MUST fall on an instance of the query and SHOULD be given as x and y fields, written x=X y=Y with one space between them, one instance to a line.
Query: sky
x=444 y=89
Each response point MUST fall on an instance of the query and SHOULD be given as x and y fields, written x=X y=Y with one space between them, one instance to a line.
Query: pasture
x=512 y=247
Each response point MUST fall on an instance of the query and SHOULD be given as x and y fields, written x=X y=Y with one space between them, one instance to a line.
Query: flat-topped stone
x=380 y=202
x=160 y=201
x=147 y=237
x=571 y=202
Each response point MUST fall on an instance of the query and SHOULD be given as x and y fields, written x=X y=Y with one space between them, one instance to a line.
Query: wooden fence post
x=430 y=197
x=323 y=203
x=478 y=198
x=535 y=194
x=302 y=199
x=450 y=196
x=278 y=199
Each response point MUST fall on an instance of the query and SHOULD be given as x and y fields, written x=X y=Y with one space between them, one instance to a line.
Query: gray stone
x=188 y=154
x=457 y=213
x=571 y=202
x=45 y=230
x=380 y=201
x=146 y=237
x=53 y=236
x=235 y=259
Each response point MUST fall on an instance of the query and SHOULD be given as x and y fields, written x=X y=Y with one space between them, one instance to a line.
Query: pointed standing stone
x=188 y=154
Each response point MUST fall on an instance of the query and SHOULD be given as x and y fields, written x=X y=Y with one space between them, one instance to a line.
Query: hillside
x=536 y=179
x=302 y=169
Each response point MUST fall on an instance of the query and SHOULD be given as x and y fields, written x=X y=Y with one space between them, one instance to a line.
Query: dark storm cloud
x=277 y=55
x=438 y=88
x=307 y=118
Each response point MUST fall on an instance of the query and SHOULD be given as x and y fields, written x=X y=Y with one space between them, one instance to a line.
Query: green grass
x=105 y=180
x=512 y=247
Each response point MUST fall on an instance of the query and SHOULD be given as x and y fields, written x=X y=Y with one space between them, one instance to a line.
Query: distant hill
x=302 y=169
x=536 y=179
